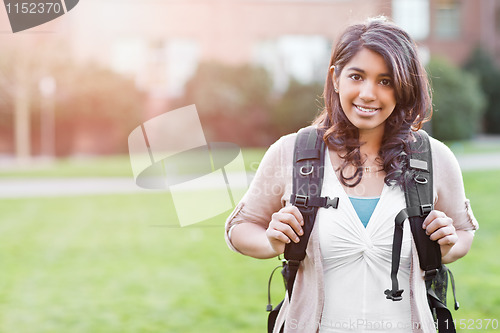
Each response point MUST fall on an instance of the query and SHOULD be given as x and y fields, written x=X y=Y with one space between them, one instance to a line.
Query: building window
x=127 y=56
x=182 y=58
x=412 y=16
x=447 y=19
x=161 y=66
x=301 y=57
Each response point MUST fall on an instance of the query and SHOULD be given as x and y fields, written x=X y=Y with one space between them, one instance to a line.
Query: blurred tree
x=233 y=102
x=16 y=89
x=458 y=101
x=482 y=65
x=95 y=108
x=297 y=107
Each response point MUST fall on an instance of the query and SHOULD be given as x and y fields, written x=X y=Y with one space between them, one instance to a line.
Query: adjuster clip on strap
x=431 y=274
x=426 y=209
x=306 y=201
x=332 y=202
x=301 y=200
x=293 y=263
x=395 y=295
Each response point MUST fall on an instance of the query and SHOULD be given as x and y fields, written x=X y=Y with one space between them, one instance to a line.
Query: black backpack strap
x=308 y=170
x=437 y=303
x=419 y=202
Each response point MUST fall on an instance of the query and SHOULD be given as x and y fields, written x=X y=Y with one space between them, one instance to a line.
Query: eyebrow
x=362 y=71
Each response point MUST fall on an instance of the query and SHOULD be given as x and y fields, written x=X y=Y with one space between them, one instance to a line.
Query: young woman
x=376 y=95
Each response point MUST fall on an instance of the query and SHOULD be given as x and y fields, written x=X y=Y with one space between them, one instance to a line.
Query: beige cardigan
x=270 y=191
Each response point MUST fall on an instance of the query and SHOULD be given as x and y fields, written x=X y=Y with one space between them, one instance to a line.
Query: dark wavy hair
x=412 y=92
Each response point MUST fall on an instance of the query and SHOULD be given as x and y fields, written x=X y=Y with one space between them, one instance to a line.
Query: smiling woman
x=366 y=91
x=376 y=98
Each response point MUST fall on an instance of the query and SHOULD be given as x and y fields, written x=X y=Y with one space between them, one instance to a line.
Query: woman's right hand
x=284 y=227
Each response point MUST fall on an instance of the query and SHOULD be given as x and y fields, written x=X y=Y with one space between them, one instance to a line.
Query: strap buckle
x=301 y=200
x=395 y=295
x=332 y=202
x=430 y=274
x=425 y=209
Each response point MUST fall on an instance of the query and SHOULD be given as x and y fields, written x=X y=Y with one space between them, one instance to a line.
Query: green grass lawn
x=478 y=274
x=475 y=146
x=99 y=166
x=119 y=165
x=120 y=263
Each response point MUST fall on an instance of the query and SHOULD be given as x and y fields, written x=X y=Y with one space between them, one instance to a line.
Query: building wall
x=229 y=30
x=479 y=25
x=226 y=29
x=159 y=43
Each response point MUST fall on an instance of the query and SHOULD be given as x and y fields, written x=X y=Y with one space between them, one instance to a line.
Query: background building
x=159 y=44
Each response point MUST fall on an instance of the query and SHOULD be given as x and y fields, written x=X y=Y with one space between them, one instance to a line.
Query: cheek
x=347 y=95
x=344 y=102
x=391 y=98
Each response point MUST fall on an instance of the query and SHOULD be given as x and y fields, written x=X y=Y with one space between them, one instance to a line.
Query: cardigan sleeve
x=449 y=187
x=267 y=192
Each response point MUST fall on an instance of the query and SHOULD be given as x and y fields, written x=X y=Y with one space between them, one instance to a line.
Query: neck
x=372 y=142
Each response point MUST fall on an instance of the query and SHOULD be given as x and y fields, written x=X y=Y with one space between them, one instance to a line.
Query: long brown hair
x=412 y=92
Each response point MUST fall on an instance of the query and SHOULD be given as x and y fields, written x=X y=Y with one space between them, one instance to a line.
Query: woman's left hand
x=440 y=228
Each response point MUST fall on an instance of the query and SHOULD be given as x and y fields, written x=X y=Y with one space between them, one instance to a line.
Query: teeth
x=365 y=109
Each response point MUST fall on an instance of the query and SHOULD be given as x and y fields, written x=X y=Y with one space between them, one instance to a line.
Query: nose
x=367 y=91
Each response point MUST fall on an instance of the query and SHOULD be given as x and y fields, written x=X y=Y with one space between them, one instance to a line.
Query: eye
x=386 y=82
x=355 y=77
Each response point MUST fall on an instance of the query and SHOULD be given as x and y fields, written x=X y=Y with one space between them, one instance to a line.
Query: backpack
x=306 y=196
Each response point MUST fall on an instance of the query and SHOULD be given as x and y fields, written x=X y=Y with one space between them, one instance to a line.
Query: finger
x=434 y=214
x=295 y=212
x=288 y=216
x=438 y=223
x=282 y=223
x=448 y=240
x=277 y=235
x=442 y=232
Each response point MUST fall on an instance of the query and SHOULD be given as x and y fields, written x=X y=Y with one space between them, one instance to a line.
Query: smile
x=366 y=110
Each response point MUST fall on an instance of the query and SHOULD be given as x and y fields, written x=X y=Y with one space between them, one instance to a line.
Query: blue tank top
x=364 y=207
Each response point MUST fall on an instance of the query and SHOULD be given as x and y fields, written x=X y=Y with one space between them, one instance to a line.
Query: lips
x=366 y=110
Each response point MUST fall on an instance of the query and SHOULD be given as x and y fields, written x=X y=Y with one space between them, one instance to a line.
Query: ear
x=335 y=79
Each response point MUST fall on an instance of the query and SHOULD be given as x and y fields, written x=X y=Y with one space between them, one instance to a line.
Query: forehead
x=369 y=62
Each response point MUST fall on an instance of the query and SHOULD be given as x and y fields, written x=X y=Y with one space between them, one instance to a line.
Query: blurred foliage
x=482 y=65
x=221 y=88
x=95 y=100
x=297 y=107
x=238 y=104
x=457 y=99
x=92 y=104
x=233 y=102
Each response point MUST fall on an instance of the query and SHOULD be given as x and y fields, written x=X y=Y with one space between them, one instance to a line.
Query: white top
x=357 y=263
x=270 y=190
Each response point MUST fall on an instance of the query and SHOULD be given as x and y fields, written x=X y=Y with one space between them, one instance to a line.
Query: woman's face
x=366 y=91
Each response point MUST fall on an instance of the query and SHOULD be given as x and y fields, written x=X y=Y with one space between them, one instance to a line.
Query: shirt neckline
x=348 y=202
